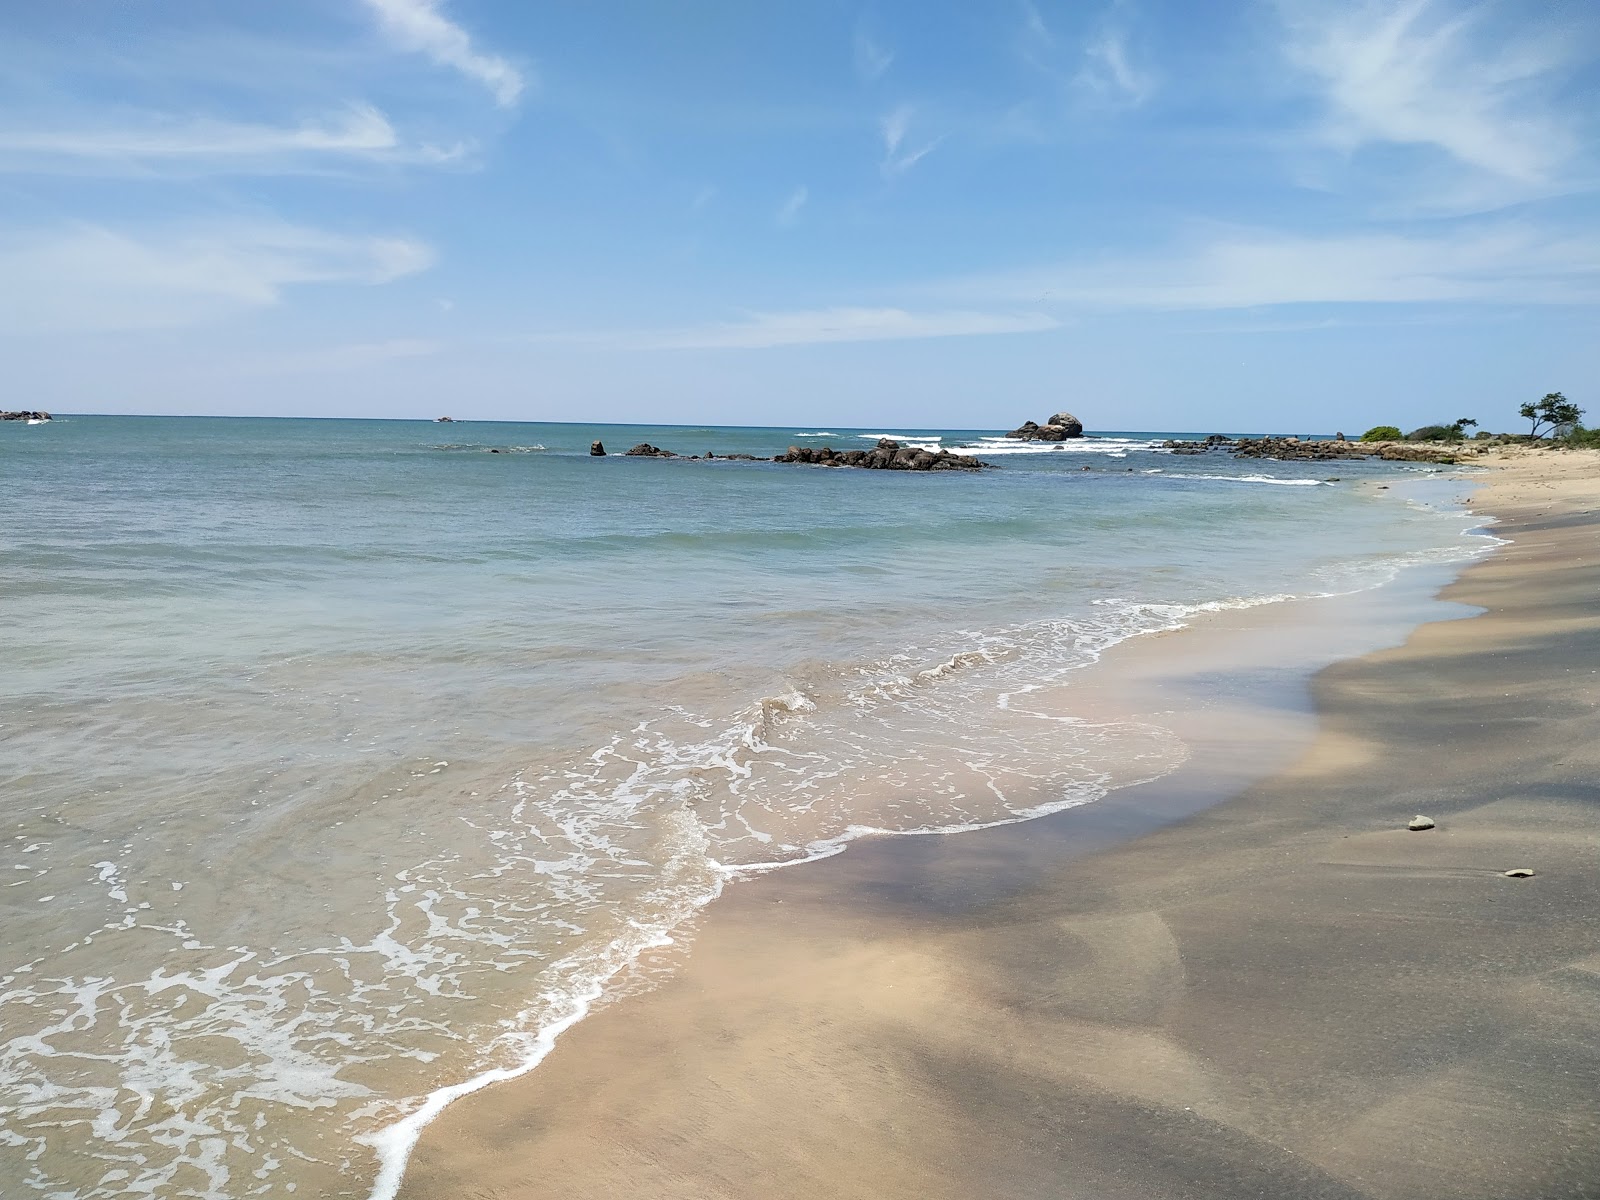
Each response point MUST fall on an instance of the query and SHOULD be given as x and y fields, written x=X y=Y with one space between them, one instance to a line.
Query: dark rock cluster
x=24 y=416
x=888 y=455
x=1057 y=429
x=1314 y=450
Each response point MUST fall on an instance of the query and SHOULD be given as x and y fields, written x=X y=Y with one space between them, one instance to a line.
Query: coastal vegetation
x=1554 y=412
x=1382 y=433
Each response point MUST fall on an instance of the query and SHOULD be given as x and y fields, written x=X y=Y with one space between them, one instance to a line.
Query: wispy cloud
x=871 y=59
x=1108 y=71
x=156 y=142
x=789 y=211
x=1099 y=71
x=92 y=277
x=818 y=326
x=420 y=26
x=1498 y=264
x=1430 y=74
x=897 y=157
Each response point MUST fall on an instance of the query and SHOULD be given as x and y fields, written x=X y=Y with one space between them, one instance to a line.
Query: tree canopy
x=1553 y=412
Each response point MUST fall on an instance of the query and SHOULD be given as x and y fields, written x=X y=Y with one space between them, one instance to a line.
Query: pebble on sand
x=1419 y=822
x=1518 y=873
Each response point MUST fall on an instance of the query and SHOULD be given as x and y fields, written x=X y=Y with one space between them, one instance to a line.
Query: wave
x=1273 y=479
x=1112 y=447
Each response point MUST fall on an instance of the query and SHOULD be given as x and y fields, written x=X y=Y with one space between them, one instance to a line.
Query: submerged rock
x=646 y=450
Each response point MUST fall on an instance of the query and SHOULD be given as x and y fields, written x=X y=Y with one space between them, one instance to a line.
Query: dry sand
x=1283 y=995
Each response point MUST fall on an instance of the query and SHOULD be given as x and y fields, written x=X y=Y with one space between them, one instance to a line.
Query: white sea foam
x=1269 y=479
x=1110 y=447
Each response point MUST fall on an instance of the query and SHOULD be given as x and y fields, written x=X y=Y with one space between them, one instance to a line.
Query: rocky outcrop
x=444 y=420
x=1317 y=450
x=597 y=450
x=24 y=416
x=1057 y=429
x=646 y=450
x=887 y=455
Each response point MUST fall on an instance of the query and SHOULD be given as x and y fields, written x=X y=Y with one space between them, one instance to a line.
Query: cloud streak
x=420 y=27
x=1500 y=264
x=871 y=59
x=156 y=142
x=1108 y=71
x=92 y=277
x=812 y=327
x=897 y=159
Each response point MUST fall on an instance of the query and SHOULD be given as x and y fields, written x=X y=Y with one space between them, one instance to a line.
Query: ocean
x=343 y=764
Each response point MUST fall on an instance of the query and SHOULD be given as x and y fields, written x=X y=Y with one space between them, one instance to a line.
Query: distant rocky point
x=1057 y=429
x=1315 y=449
x=444 y=420
x=24 y=416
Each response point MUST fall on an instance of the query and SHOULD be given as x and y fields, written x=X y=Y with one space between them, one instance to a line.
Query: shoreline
x=888 y=1026
x=876 y=896
x=1122 y=686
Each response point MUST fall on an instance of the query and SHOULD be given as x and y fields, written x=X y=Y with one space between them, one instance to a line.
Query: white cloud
x=90 y=277
x=1423 y=73
x=896 y=159
x=419 y=26
x=764 y=330
x=789 y=211
x=871 y=59
x=1502 y=264
x=158 y=142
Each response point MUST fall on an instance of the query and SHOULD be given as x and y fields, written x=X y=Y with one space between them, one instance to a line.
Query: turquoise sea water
x=342 y=762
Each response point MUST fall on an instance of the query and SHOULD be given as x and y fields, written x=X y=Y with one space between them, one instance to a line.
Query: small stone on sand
x=1519 y=873
x=1420 y=822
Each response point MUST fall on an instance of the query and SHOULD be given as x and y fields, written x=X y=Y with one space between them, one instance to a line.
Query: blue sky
x=1159 y=214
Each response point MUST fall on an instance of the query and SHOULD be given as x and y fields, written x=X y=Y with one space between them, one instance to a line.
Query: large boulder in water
x=646 y=450
x=1068 y=422
x=1057 y=429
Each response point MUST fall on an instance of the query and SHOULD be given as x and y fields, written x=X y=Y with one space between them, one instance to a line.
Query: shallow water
x=341 y=762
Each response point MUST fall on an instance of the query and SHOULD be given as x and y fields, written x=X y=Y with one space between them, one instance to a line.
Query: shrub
x=1382 y=433
x=1580 y=437
x=1435 y=433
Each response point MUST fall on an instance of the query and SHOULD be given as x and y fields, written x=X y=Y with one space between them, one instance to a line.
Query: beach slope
x=1287 y=994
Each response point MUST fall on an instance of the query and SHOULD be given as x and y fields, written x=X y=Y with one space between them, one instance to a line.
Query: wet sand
x=1284 y=994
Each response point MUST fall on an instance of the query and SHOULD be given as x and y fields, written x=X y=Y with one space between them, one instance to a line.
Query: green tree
x=1463 y=423
x=1382 y=433
x=1555 y=411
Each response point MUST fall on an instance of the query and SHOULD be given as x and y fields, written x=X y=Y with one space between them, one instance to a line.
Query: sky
x=1243 y=215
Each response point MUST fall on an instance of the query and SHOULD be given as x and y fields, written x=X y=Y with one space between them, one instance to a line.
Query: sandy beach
x=1226 y=983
